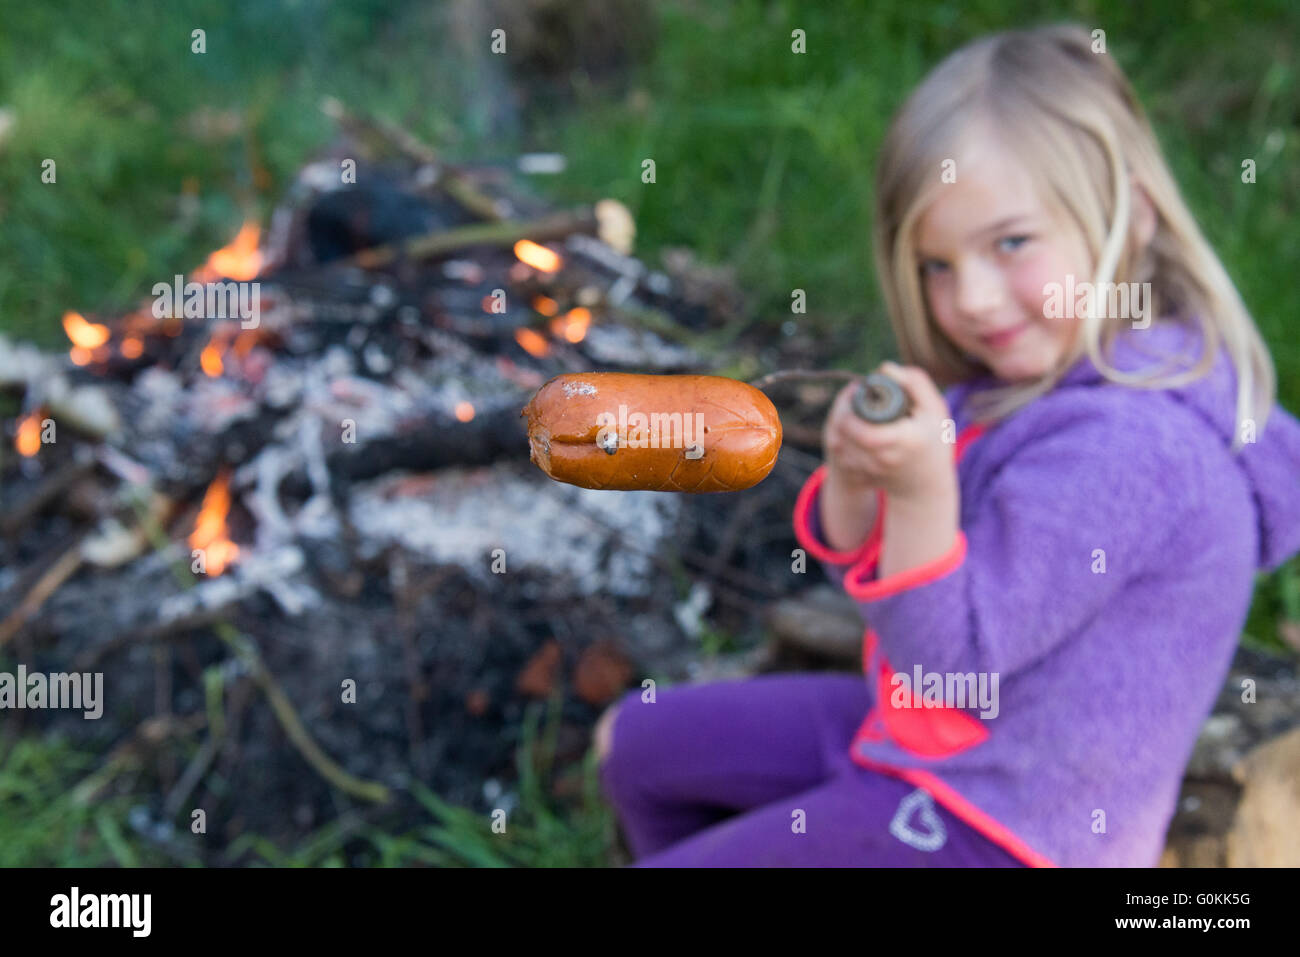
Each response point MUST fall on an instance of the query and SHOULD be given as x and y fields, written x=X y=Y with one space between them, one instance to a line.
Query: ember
x=209 y=535
x=539 y=257
x=27 y=442
x=239 y=260
x=532 y=342
x=84 y=335
x=210 y=359
x=572 y=326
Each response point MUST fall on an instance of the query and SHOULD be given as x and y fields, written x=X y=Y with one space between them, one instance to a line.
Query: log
x=51 y=489
x=434 y=443
x=545 y=229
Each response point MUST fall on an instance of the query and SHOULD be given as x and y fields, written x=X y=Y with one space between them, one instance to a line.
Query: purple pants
x=757 y=773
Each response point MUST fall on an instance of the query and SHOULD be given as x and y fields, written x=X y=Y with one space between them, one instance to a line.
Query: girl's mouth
x=999 y=340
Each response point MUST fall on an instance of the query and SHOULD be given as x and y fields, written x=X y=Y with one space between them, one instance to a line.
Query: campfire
x=338 y=488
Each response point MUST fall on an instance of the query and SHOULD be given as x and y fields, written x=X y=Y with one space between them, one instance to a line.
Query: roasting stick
x=879 y=399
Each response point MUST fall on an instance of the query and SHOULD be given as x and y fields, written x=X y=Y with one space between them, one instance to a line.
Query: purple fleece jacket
x=1105 y=677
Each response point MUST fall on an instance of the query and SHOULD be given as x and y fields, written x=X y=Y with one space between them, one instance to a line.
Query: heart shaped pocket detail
x=935 y=834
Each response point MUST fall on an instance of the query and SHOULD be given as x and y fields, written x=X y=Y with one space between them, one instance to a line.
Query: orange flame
x=28 y=439
x=546 y=305
x=464 y=411
x=239 y=260
x=84 y=335
x=210 y=528
x=210 y=359
x=572 y=326
x=79 y=356
x=533 y=342
x=132 y=347
x=539 y=257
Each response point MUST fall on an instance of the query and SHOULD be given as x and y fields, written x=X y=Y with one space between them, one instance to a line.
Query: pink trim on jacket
x=933 y=731
x=870 y=590
x=867 y=551
x=991 y=828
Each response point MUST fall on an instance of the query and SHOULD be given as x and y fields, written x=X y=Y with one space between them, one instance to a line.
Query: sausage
x=665 y=433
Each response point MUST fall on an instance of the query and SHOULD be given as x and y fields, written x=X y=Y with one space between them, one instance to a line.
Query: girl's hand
x=909 y=458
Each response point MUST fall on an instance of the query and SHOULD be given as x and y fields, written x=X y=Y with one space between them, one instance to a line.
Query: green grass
x=1277 y=599
x=41 y=825
x=535 y=834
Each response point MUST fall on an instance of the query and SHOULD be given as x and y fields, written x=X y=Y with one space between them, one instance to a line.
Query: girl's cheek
x=938 y=296
x=1030 y=279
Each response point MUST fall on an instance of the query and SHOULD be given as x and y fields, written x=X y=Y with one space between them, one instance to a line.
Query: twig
x=739 y=521
x=554 y=226
x=53 y=487
x=192 y=775
x=163 y=631
x=292 y=724
x=451 y=180
x=129 y=755
x=414 y=148
x=62 y=569
x=404 y=594
x=790 y=375
x=213 y=692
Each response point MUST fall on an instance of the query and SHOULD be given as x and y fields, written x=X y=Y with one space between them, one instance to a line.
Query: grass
x=533 y=835
x=41 y=825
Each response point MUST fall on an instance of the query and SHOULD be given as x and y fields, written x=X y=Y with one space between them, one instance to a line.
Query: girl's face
x=987 y=248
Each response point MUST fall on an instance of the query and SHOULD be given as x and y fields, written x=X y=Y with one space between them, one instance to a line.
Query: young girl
x=1054 y=558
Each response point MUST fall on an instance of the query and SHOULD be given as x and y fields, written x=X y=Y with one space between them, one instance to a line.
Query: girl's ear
x=1144 y=217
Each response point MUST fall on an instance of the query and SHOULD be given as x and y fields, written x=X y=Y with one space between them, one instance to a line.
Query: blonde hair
x=1075 y=122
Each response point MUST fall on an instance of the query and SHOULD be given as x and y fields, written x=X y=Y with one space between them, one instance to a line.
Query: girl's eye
x=1016 y=242
x=931 y=266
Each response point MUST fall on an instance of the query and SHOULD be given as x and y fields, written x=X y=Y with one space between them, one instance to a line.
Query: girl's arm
x=848 y=511
x=921 y=528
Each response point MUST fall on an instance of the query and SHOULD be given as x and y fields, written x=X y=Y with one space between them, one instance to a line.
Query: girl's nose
x=979 y=289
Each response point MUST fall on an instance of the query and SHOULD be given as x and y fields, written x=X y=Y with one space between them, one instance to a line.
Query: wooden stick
x=412 y=146
x=788 y=375
x=53 y=487
x=555 y=226
x=292 y=724
x=62 y=569
x=451 y=180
